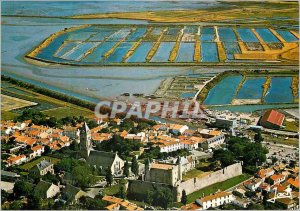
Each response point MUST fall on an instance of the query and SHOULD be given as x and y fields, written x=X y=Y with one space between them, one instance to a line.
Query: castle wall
x=195 y=184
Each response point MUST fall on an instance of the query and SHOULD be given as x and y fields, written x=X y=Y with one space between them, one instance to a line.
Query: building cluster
x=26 y=141
x=119 y=204
x=172 y=137
x=277 y=184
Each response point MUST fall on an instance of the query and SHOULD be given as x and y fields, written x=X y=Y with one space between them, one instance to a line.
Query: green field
x=8 y=115
x=48 y=105
x=28 y=166
x=66 y=111
x=291 y=141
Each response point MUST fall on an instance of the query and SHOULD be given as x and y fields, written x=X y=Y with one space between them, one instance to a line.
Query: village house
x=215 y=200
x=46 y=190
x=253 y=184
x=16 y=160
x=189 y=144
x=214 y=138
x=294 y=183
x=288 y=203
x=36 y=151
x=140 y=137
x=42 y=168
x=99 y=137
x=243 y=203
x=177 y=129
x=72 y=194
x=71 y=132
x=119 y=204
x=210 y=201
x=277 y=178
x=264 y=173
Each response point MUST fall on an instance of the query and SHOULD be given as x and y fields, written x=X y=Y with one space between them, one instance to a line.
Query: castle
x=166 y=173
x=98 y=159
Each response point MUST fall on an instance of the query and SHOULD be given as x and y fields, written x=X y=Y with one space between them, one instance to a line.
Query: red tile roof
x=273 y=117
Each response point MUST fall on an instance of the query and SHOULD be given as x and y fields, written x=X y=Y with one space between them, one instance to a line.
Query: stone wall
x=195 y=184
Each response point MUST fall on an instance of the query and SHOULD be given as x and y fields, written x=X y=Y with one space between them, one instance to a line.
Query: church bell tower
x=85 y=141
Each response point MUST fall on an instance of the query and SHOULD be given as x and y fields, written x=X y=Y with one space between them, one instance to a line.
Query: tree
x=22 y=188
x=163 y=197
x=35 y=201
x=255 y=207
x=74 y=146
x=258 y=137
x=92 y=204
x=122 y=193
x=149 y=197
x=134 y=166
x=48 y=150
x=83 y=175
x=224 y=156
x=109 y=177
x=126 y=169
x=16 y=205
x=183 y=197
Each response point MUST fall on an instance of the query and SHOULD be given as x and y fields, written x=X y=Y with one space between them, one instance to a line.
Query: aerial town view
x=150 y=105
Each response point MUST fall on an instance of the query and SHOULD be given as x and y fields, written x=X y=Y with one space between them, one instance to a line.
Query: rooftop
x=163 y=166
x=215 y=196
x=273 y=117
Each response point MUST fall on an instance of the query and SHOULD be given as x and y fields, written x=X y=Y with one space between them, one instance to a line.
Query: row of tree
x=242 y=149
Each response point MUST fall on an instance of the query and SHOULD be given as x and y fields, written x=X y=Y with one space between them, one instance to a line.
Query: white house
x=16 y=160
x=215 y=200
x=46 y=189
x=36 y=151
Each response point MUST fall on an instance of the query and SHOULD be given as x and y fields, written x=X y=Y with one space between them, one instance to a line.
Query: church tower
x=85 y=141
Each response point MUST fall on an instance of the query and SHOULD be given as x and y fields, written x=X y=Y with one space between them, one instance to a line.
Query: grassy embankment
x=239 y=86
x=110 y=51
x=295 y=88
x=197 y=52
x=156 y=45
x=47 y=41
x=266 y=87
x=136 y=44
x=256 y=13
x=174 y=51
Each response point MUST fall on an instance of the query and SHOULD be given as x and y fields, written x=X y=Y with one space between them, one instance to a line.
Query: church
x=98 y=159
